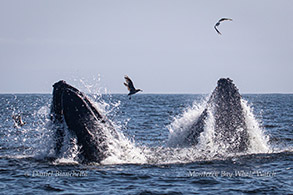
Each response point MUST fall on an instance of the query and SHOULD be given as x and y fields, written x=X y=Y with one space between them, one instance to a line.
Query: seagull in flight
x=130 y=87
x=219 y=22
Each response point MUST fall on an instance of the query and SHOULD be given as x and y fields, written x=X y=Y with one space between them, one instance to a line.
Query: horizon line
x=151 y=93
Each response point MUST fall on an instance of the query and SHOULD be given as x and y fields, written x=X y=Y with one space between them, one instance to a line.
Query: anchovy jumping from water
x=18 y=121
x=219 y=22
x=130 y=87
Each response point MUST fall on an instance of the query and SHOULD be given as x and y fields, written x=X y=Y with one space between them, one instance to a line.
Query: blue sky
x=165 y=46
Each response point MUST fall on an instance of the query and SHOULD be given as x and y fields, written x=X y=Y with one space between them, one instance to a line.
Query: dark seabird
x=130 y=87
x=219 y=22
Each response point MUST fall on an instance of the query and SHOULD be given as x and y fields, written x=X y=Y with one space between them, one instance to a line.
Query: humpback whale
x=73 y=109
x=230 y=129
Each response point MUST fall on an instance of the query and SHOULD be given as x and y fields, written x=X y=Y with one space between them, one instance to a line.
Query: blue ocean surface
x=147 y=160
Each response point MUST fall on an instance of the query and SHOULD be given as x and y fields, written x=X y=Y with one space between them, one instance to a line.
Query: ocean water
x=147 y=159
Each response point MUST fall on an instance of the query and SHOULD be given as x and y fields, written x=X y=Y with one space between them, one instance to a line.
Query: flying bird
x=219 y=22
x=130 y=87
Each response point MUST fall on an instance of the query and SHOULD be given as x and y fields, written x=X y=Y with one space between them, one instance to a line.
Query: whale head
x=230 y=129
x=73 y=109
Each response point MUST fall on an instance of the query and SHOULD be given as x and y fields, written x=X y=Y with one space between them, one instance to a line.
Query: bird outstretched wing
x=217 y=30
x=223 y=19
x=129 y=83
x=218 y=23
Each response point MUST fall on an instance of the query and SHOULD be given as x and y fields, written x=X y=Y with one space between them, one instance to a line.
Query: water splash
x=208 y=146
x=124 y=150
x=91 y=87
x=179 y=127
x=119 y=148
x=258 y=140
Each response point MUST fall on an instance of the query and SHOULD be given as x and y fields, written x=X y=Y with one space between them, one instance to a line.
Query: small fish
x=18 y=121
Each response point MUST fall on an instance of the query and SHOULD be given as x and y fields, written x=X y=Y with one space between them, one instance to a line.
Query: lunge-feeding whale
x=74 y=110
x=230 y=129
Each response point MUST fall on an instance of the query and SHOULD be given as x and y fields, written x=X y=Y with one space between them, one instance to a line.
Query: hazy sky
x=165 y=46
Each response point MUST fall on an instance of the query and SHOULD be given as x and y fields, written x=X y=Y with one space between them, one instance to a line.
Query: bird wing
x=129 y=83
x=217 y=30
x=223 y=19
x=127 y=86
x=218 y=23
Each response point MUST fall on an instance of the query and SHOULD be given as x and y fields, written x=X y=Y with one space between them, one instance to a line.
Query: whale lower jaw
x=230 y=129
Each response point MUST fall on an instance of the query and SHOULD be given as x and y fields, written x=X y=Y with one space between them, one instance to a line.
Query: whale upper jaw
x=230 y=129
x=72 y=108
